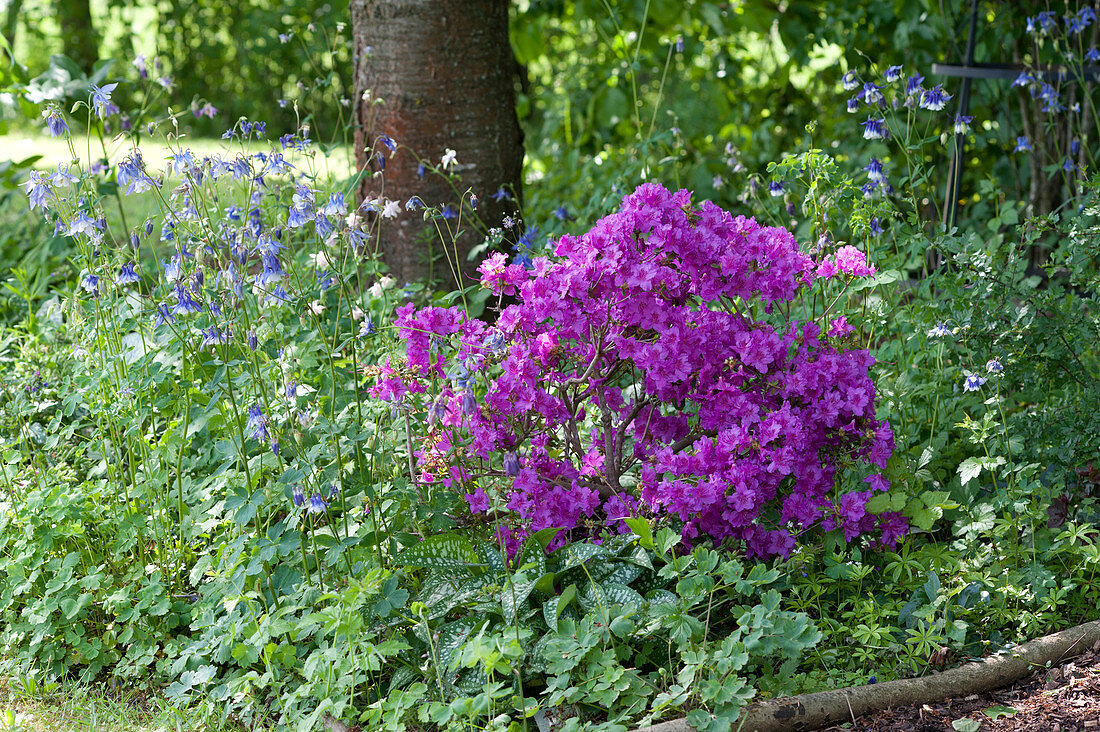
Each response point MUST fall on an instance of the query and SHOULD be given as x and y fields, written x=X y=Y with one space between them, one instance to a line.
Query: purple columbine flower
x=874 y=170
x=55 y=123
x=127 y=275
x=101 y=99
x=871 y=93
x=213 y=336
x=299 y=497
x=185 y=304
x=163 y=315
x=994 y=366
x=934 y=99
x=511 y=464
x=973 y=382
x=962 y=123
x=38 y=190
x=912 y=85
x=257 y=423
x=317 y=504
x=875 y=129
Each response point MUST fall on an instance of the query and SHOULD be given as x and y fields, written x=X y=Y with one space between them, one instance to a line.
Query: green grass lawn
x=19 y=145
x=28 y=706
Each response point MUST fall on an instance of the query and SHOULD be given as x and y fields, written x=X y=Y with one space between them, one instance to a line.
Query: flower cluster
x=646 y=370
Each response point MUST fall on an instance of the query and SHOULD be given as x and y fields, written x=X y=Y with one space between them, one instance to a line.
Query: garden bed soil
x=1063 y=698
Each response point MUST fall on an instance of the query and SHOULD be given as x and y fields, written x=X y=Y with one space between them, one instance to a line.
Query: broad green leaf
x=443 y=551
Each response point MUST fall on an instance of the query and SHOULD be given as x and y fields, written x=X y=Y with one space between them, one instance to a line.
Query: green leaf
x=642 y=530
x=973 y=466
x=448 y=552
x=996 y=713
x=966 y=724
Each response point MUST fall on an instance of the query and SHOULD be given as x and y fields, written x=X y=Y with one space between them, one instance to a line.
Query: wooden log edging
x=822 y=708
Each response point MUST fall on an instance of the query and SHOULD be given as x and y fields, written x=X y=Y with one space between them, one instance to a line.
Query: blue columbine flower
x=892 y=74
x=511 y=464
x=940 y=331
x=912 y=85
x=962 y=123
x=163 y=315
x=172 y=269
x=253 y=341
x=853 y=106
x=272 y=269
x=317 y=504
x=994 y=366
x=291 y=390
x=38 y=190
x=101 y=98
x=61 y=177
x=875 y=226
x=1092 y=55
x=55 y=123
x=849 y=81
x=127 y=275
x=871 y=93
x=388 y=142
x=1022 y=144
x=185 y=304
x=1068 y=165
x=973 y=382
x=448 y=212
x=278 y=296
x=90 y=283
x=414 y=203
x=367 y=328
x=776 y=188
x=213 y=336
x=874 y=170
x=934 y=99
x=561 y=214
x=335 y=206
x=501 y=195
x=257 y=423
x=1024 y=79
x=83 y=224
x=875 y=129
x=299 y=496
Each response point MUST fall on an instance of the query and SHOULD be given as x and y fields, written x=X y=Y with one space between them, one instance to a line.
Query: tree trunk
x=439 y=74
x=81 y=39
x=12 y=22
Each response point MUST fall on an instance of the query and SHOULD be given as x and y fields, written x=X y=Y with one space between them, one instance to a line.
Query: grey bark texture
x=824 y=708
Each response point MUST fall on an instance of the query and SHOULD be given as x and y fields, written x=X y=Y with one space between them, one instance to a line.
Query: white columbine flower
x=448 y=158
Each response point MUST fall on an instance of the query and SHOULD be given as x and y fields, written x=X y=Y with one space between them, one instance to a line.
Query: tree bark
x=823 y=708
x=11 y=24
x=80 y=37
x=439 y=74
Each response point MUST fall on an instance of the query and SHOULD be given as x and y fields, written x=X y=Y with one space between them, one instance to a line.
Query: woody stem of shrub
x=823 y=708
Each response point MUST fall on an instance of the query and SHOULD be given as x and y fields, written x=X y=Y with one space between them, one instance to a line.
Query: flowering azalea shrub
x=652 y=368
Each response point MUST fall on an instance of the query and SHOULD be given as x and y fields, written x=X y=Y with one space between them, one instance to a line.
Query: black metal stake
x=951 y=204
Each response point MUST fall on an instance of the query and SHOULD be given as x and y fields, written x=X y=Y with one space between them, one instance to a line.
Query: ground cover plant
x=665 y=457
